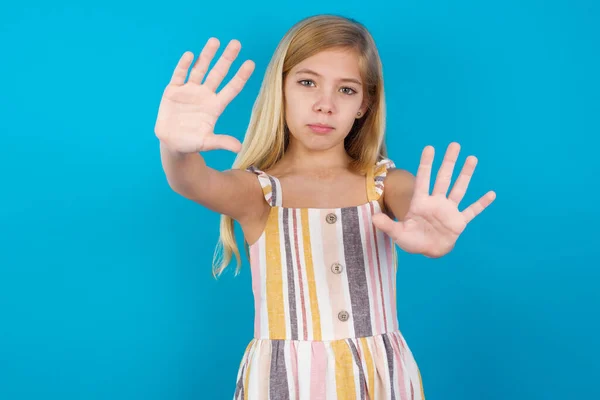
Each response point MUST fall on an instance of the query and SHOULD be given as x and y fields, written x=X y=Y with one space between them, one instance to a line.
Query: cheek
x=293 y=107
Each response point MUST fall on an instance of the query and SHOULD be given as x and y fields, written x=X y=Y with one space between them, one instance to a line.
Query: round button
x=331 y=218
x=337 y=268
x=343 y=315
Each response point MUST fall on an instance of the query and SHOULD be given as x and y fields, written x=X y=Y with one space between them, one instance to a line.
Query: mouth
x=320 y=128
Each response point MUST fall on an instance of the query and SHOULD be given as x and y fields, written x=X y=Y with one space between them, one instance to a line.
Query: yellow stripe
x=310 y=275
x=421 y=382
x=371 y=192
x=381 y=168
x=344 y=373
x=275 y=308
x=369 y=362
x=266 y=190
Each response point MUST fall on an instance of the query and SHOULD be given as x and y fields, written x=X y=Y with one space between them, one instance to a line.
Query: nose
x=324 y=104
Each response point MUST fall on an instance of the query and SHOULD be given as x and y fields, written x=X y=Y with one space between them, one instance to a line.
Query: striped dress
x=324 y=286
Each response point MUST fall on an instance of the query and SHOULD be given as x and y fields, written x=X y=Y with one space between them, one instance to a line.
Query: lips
x=320 y=128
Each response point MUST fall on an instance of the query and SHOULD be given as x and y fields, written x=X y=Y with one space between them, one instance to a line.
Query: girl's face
x=323 y=95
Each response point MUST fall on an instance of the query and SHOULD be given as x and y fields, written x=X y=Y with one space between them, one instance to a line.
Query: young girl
x=307 y=189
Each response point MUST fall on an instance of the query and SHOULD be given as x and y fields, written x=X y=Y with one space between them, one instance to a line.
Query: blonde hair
x=267 y=137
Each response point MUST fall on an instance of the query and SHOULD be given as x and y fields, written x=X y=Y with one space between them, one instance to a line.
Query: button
x=343 y=315
x=331 y=218
x=337 y=268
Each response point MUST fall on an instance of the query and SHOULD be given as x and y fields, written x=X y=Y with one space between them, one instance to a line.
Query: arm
x=233 y=192
x=399 y=188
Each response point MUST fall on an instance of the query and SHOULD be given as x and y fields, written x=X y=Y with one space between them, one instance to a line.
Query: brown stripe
x=274 y=192
x=239 y=390
x=390 y=359
x=290 y=276
x=361 y=374
x=356 y=272
x=278 y=384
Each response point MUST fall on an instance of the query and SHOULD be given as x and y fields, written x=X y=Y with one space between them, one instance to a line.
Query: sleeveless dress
x=324 y=287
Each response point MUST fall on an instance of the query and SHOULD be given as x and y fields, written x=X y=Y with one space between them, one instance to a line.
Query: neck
x=300 y=158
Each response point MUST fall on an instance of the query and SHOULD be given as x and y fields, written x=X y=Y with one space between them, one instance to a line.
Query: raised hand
x=433 y=222
x=188 y=111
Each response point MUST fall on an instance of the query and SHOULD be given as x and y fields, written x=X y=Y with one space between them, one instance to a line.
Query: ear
x=363 y=109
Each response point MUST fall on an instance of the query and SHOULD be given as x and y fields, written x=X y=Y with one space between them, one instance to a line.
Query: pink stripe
x=318 y=371
x=331 y=254
x=256 y=289
x=399 y=367
x=378 y=260
x=369 y=228
x=389 y=242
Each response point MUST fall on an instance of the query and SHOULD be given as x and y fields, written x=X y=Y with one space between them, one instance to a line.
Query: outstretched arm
x=432 y=224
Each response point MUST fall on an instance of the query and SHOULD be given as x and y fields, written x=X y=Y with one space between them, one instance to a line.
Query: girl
x=307 y=188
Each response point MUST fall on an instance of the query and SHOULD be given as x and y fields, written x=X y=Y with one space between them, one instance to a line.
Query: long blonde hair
x=266 y=138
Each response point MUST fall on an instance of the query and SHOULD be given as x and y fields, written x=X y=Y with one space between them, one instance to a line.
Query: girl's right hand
x=189 y=110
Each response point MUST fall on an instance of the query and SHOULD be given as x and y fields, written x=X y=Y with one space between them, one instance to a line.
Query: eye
x=346 y=90
x=301 y=82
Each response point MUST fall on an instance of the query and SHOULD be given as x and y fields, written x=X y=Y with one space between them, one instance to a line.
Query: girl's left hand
x=433 y=222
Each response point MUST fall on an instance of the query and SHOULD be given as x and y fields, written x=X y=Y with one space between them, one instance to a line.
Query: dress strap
x=270 y=185
x=376 y=176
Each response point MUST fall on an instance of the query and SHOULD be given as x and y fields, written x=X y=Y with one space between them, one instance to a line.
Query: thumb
x=384 y=223
x=224 y=142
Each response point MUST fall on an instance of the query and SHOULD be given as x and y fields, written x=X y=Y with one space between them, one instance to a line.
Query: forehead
x=332 y=63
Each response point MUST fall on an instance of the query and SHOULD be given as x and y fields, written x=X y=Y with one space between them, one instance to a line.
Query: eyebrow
x=311 y=72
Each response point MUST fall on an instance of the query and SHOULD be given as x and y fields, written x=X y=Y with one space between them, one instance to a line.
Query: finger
x=204 y=59
x=384 y=223
x=237 y=83
x=462 y=182
x=222 y=142
x=422 y=180
x=476 y=208
x=181 y=70
x=219 y=71
x=444 y=175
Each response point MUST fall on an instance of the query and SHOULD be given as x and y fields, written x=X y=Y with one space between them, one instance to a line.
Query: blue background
x=105 y=283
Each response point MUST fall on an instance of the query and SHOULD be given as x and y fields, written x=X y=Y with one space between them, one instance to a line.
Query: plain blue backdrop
x=105 y=273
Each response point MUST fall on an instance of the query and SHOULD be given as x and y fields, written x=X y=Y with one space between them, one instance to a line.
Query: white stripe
x=254 y=378
x=291 y=379
x=349 y=323
x=385 y=277
x=279 y=194
x=330 y=381
x=376 y=287
x=321 y=271
x=304 y=369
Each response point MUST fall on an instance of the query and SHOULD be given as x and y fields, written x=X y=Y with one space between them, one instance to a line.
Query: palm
x=188 y=111
x=433 y=222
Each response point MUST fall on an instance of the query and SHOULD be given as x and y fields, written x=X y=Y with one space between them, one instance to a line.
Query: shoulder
x=246 y=180
x=394 y=179
x=399 y=186
x=399 y=180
